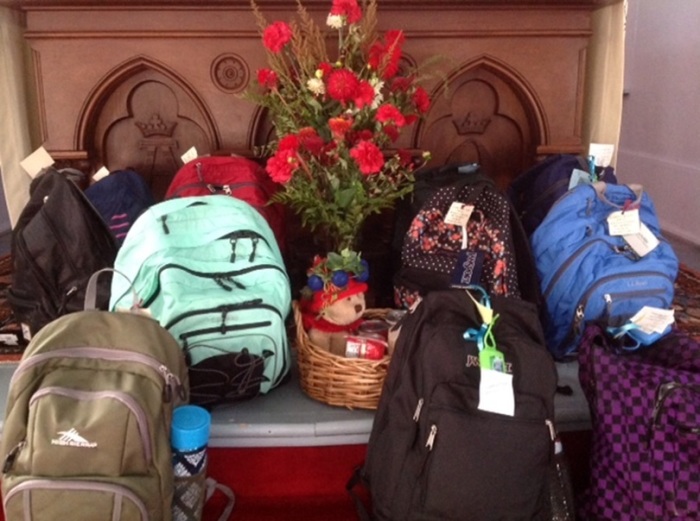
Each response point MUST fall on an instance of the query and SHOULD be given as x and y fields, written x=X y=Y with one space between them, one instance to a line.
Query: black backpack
x=433 y=254
x=433 y=452
x=535 y=190
x=59 y=241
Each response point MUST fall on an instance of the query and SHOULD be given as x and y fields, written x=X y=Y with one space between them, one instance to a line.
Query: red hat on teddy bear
x=328 y=295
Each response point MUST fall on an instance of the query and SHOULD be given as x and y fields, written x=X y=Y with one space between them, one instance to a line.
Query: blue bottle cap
x=190 y=427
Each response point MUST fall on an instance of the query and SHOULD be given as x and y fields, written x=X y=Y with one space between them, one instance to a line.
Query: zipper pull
x=608 y=303
x=431 y=437
x=164 y=224
x=255 y=247
x=233 y=250
x=12 y=456
x=227 y=189
x=416 y=414
x=172 y=383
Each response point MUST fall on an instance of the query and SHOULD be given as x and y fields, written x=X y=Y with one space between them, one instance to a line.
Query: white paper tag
x=189 y=155
x=36 y=162
x=602 y=153
x=26 y=332
x=579 y=177
x=653 y=320
x=624 y=222
x=100 y=174
x=459 y=214
x=496 y=392
x=642 y=242
x=8 y=339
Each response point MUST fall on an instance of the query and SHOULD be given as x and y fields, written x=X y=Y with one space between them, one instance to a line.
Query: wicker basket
x=354 y=383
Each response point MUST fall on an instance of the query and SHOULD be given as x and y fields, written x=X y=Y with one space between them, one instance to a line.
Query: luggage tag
x=642 y=242
x=624 y=222
x=495 y=384
x=469 y=265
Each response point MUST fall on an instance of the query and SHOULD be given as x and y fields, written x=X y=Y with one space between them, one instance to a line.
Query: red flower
x=401 y=84
x=348 y=8
x=368 y=156
x=276 y=36
x=326 y=68
x=282 y=165
x=339 y=127
x=342 y=85
x=388 y=113
x=267 y=78
x=364 y=95
x=384 y=56
x=405 y=158
x=391 y=132
x=311 y=141
x=421 y=100
x=289 y=142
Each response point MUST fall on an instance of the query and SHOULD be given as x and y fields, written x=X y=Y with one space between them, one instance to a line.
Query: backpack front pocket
x=75 y=432
x=47 y=500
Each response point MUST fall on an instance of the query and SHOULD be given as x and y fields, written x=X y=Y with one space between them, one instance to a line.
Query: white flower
x=335 y=21
x=378 y=85
x=316 y=86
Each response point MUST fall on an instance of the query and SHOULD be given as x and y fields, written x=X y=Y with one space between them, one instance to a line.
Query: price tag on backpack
x=189 y=155
x=459 y=214
x=653 y=320
x=642 y=242
x=624 y=222
x=36 y=162
x=496 y=392
x=100 y=174
x=468 y=269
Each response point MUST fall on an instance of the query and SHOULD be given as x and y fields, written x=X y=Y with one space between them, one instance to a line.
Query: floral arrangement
x=337 y=115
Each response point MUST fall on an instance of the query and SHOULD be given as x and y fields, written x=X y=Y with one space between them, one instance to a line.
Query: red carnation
x=267 y=78
x=389 y=114
x=326 y=68
x=405 y=157
x=276 y=36
x=311 y=141
x=368 y=157
x=342 y=85
x=339 y=127
x=289 y=142
x=391 y=132
x=364 y=95
x=421 y=100
x=282 y=165
x=347 y=8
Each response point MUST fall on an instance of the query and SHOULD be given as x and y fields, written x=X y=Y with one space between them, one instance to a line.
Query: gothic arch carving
x=144 y=116
x=484 y=112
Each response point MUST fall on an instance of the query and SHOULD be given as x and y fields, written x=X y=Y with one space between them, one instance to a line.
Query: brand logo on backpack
x=72 y=438
x=473 y=361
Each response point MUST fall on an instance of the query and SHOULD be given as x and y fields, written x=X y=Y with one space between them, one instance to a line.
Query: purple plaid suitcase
x=645 y=412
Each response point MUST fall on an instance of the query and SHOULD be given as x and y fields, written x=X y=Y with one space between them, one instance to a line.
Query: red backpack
x=238 y=177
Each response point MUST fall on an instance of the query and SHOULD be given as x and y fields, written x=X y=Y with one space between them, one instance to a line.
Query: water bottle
x=561 y=491
x=189 y=439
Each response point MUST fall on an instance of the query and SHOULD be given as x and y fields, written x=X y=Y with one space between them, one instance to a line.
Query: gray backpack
x=87 y=425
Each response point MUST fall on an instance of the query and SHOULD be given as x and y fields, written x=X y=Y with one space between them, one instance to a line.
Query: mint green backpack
x=209 y=269
x=86 y=433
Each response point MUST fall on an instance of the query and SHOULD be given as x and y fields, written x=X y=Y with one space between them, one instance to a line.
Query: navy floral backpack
x=466 y=233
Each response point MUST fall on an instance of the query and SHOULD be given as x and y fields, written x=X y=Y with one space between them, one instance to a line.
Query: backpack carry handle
x=90 y=302
x=637 y=190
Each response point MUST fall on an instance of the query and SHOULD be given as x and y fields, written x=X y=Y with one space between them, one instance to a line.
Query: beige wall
x=661 y=112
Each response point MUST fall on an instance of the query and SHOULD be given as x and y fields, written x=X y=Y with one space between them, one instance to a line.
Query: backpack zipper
x=78 y=485
x=224 y=309
x=171 y=381
x=219 y=277
x=662 y=393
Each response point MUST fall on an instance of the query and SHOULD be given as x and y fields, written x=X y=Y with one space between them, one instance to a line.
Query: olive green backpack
x=87 y=425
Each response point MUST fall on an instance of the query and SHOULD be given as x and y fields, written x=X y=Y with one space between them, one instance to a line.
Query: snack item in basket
x=368 y=347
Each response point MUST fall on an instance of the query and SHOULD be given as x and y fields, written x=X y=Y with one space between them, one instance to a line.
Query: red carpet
x=273 y=484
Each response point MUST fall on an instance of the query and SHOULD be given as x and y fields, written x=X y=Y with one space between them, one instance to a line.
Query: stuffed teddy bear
x=333 y=301
x=331 y=314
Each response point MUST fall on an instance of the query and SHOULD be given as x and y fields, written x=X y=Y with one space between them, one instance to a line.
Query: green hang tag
x=493 y=359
